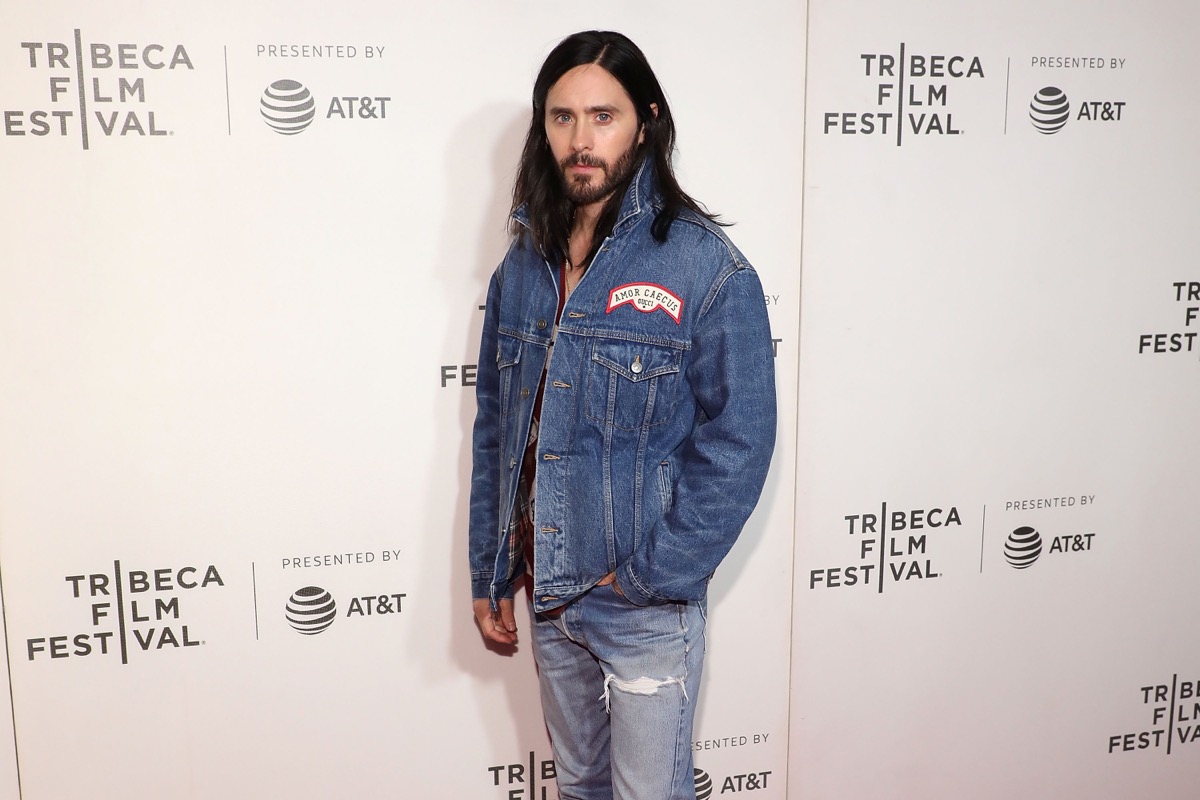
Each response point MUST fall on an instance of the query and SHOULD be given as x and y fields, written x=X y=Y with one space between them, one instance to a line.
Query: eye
x=604 y=117
x=562 y=119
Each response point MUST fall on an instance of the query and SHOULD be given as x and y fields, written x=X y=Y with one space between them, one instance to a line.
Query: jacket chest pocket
x=632 y=385
x=508 y=359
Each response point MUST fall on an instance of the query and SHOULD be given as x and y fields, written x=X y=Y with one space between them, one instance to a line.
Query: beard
x=582 y=189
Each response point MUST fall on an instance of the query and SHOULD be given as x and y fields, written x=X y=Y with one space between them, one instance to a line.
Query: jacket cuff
x=481 y=587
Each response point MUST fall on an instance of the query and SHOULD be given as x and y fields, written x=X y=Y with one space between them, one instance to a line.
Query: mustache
x=583 y=160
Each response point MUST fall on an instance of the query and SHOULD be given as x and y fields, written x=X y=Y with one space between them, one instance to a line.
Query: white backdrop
x=236 y=365
x=974 y=302
x=235 y=373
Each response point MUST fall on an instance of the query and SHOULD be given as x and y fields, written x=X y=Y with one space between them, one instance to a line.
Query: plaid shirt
x=522 y=529
x=523 y=508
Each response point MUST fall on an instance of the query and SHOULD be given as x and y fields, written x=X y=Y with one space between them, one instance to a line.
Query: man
x=626 y=419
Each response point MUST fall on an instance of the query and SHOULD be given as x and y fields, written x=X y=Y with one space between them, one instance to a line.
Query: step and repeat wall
x=237 y=360
x=997 y=539
x=237 y=369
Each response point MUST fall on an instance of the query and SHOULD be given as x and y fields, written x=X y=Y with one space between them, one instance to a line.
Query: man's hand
x=500 y=625
x=611 y=578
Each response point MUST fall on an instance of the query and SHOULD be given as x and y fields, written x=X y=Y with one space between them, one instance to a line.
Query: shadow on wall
x=478 y=163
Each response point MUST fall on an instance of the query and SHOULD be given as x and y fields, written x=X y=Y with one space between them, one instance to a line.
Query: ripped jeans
x=619 y=685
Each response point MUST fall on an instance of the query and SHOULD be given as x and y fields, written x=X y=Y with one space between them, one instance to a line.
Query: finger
x=499 y=634
x=489 y=623
x=507 y=621
x=491 y=629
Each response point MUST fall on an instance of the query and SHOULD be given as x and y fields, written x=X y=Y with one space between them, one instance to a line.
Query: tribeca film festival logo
x=911 y=95
x=889 y=548
x=1173 y=711
x=1159 y=343
x=97 y=88
x=530 y=780
x=134 y=610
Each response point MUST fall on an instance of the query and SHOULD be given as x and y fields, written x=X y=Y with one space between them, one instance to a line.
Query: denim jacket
x=658 y=415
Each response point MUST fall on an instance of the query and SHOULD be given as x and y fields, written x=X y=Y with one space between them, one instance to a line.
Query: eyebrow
x=556 y=110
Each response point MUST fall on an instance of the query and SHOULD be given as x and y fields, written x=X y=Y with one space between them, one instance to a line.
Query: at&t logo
x=1024 y=546
x=288 y=107
x=311 y=609
x=1050 y=110
x=745 y=782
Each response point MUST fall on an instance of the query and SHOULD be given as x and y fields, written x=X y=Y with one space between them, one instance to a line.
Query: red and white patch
x=646 y=297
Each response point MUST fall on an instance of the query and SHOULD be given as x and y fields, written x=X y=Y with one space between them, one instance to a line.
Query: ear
x=642 y=130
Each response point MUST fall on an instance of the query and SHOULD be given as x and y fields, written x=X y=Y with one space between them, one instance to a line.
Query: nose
x=581 y=137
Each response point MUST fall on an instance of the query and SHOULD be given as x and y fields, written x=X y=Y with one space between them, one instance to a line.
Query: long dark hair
x=539 y=184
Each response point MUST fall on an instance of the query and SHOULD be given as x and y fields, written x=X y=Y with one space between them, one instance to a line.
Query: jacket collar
x=641 y=196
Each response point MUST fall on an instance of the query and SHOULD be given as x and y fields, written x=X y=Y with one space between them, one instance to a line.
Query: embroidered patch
x=645 y=297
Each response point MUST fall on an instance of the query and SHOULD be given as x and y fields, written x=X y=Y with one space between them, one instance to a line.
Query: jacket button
x=524 y=392
x=541 y=324
x=512 y=462
x=636 y=366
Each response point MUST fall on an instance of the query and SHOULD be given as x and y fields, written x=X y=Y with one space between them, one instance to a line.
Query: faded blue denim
x=655 y=434
x=619 y=685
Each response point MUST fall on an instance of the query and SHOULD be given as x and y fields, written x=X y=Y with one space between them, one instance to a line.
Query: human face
x=593 y=132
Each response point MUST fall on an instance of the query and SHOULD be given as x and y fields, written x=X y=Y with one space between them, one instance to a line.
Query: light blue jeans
x=619 y=685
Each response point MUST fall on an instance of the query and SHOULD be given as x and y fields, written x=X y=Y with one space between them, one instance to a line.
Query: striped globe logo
x=704 y=785
x=311 y=610
x=1023 y=547
x=1049 y=110
x=288 y=107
